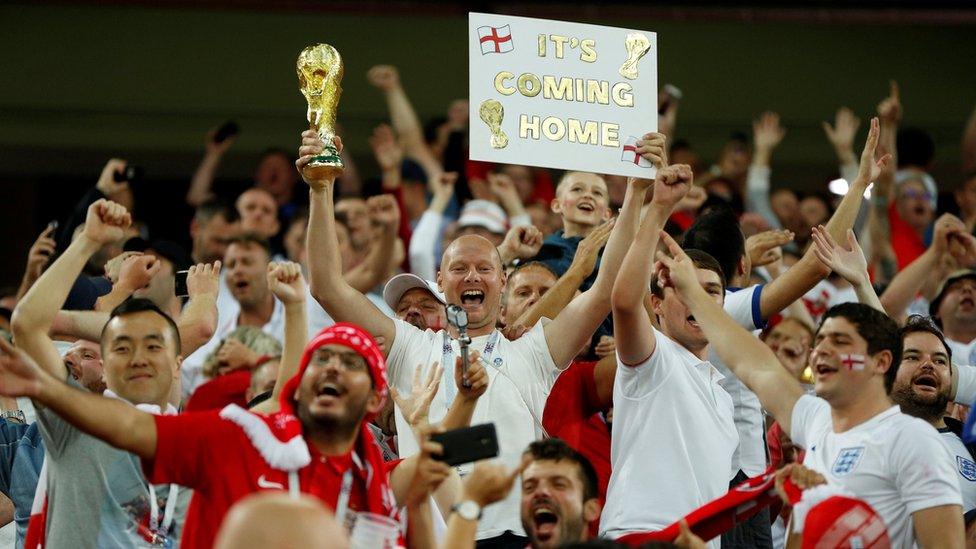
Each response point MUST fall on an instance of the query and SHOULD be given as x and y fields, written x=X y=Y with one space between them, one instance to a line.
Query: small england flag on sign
x=495 y=39
x=630 y=154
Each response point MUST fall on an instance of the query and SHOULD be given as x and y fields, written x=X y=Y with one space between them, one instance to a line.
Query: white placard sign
x=560 y=95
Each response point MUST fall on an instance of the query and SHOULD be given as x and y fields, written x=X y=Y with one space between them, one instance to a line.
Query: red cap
x=347 y=335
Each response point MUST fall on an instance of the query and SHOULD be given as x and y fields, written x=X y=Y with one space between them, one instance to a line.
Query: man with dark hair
x=559 y=494
x=669 y=409
x=214 y=224
x=717 y=233
x=853 y=434
x=96 y=495
x=923 y=387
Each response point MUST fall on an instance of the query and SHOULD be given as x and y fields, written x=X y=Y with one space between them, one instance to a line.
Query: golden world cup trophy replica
x=637 y=45
x=319 y=74
x=492 y=112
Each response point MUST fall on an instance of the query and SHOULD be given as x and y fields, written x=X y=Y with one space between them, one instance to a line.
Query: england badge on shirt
x=847 y=460
x=966 y=468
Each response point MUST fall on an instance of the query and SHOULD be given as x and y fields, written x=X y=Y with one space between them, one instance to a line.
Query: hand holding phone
x=467 y=444
x=181 y=289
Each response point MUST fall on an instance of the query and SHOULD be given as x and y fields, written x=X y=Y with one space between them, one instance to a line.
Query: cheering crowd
x=702 y=359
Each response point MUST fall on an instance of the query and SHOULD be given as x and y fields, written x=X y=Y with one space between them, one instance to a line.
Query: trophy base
x=324 y=166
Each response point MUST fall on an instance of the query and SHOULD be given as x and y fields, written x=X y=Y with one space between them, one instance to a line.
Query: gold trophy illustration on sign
x=492 y=112
x=637 y=45
x=319 y=74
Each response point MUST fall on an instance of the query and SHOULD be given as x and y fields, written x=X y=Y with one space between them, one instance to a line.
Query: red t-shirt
x=216 y=459
x=904 y=240
x=220 y=391
x=572 y=414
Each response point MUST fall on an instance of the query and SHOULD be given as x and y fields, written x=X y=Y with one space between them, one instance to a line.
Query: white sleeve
x=757 y=195
x=806 y=413
x=744 y=306
x=423 y=242
x=925 y=474
x=966 y=390
x=638 y=381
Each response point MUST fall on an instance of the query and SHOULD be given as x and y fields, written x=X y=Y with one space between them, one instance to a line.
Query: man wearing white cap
x=416 y=301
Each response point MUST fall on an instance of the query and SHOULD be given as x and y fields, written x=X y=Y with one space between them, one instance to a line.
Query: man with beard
x=922 y=389
x=316 y=444
x=559 y=494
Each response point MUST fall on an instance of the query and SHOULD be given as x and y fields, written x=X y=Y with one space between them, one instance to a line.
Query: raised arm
x=572 y=327
x=631 y=325
x=910 y=280
x=562 y=292
x=340 y=300
x=427 y=234
x=136 y=272
x=114 y=421
x=32 y=319
x=383 y=211
x=39 y=255
x=841 y=137
x=749 y=359
x=405 y=121
x=201 y=185
x=807 y=272
x=286 y=282
x=766 y=136
x=198 y=320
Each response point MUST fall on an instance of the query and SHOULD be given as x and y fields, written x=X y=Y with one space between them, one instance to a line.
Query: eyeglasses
x=912 y=193
x=349 y=361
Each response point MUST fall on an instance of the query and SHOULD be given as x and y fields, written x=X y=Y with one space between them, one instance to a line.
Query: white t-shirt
x=228 y=310
x=965 y=467
x=672 y=441
x=894 y=462
x=520 y=373
x=963 y=353
x=743 y=305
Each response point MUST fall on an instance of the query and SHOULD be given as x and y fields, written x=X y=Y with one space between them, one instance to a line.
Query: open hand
x=588 y=250
x=848 y=262
x=415 y=406
x=870 y=169
x=842 y=134
x=767 y=131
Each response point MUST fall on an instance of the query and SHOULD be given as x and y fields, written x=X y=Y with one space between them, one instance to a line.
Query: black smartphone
x=181 y=290
x=228 y=129
x=467 y=444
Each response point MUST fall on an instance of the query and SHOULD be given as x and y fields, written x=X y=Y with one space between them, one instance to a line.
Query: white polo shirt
x=965 y=467
x=894 y=462
x=750 y=456
x=672 y=441
x=520 y=373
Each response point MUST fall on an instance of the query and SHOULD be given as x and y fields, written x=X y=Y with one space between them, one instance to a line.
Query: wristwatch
x=14 y=415
x=467 y=509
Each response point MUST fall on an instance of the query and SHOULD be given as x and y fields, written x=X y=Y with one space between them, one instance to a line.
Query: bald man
x=522 y=372
x=276 y=519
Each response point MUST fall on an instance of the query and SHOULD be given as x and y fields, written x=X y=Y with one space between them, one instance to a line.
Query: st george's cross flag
x=495 y=39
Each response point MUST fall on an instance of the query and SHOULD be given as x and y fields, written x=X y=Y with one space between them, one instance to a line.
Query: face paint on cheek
x=852 y=363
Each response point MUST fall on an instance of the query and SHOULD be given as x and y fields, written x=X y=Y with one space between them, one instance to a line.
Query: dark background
x=85 y=81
